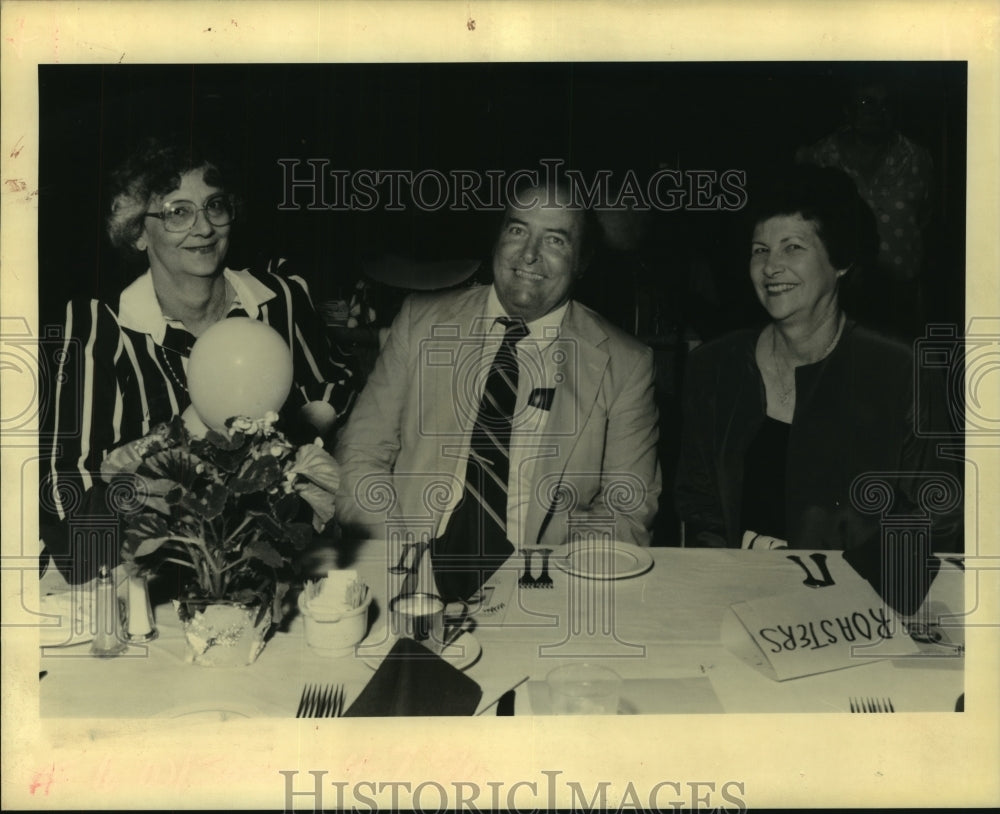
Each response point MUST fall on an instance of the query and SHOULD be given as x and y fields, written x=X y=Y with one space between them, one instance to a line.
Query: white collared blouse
x=123 y=370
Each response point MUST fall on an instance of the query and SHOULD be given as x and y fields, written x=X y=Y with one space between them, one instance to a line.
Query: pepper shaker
x=108 y=638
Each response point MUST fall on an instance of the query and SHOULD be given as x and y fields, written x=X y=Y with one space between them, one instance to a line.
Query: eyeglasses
x=179 y=216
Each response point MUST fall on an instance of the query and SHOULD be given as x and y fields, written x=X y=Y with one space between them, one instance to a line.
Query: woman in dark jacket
x=804 y=434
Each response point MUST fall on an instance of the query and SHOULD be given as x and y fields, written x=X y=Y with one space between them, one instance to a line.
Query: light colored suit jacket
x=597 y=470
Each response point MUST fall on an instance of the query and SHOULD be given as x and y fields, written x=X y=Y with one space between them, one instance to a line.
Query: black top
x=764 y=467
x=853 y=456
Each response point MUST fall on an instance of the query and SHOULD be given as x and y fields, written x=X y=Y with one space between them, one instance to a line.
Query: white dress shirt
x=537 y=369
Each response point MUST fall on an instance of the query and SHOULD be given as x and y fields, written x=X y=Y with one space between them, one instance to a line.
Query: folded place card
x=413 y=681
x=804 y=632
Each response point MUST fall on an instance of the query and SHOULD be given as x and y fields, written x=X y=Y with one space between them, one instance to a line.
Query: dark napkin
x=412 y=680
x=900 y=574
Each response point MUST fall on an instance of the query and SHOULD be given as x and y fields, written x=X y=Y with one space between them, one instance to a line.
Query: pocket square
x=541 y=397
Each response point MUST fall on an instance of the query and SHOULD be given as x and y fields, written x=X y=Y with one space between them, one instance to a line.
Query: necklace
x=216 y=311
x=165 y=353
x=171 y=371
x=785 y=392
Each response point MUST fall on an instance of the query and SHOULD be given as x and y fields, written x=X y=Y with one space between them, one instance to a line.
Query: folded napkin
x=900 y=574
x=412 y=680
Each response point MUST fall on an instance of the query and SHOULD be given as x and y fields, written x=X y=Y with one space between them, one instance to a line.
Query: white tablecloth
x=662 y=631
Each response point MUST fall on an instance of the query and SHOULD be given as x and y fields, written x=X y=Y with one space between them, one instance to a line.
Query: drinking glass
x=584 y=689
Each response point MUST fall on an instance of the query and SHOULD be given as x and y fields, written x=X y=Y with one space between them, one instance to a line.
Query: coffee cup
x=419 y=616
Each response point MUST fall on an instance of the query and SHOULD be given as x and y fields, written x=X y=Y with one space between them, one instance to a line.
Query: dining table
x=664 y=623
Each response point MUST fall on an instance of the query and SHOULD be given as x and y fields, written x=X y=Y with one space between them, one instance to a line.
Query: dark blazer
x=852 y=445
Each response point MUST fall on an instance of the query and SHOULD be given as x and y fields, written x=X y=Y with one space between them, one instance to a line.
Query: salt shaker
x=140 y=624
x=108 y=639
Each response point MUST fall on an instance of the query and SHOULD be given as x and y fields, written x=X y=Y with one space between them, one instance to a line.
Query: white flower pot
x=223 y=634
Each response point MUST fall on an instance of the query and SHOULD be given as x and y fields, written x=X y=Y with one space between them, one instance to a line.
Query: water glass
x=584 y=689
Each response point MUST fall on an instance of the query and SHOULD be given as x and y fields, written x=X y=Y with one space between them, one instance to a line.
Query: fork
x=544 y=580
x=526 y=580
x=319 y=701
x=872 y=705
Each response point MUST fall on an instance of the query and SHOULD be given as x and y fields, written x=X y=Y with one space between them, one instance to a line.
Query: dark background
x=711 y=116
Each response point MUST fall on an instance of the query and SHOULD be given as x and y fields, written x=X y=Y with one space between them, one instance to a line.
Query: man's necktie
x=475 y=543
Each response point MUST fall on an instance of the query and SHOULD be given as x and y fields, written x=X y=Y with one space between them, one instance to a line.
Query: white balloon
x=238 y=367
x=192 y=421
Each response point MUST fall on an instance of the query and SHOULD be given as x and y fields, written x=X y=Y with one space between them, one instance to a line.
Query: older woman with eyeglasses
x=123 y=369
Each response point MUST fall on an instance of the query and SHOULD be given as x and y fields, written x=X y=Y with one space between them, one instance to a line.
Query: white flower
x=240 y=423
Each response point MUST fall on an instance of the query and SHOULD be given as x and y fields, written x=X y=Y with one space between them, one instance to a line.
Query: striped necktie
x=475 y=543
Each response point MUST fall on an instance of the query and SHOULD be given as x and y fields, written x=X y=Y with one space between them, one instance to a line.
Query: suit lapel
x=582 y=373
x=449 y=363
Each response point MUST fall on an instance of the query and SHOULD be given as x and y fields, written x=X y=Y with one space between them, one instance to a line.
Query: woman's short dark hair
x=829 y=199
x=154 y=168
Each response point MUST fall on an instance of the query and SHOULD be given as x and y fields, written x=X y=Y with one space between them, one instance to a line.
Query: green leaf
x=265 y=552
x=146 y=524
x=126 y=458
x=149 y=545
x=171 y=464
x=286 y=507
x=299 y=534
x=321 y=502
x=224 y=441
x=144 y=534
x=261 y=475
x=207 y=501
x=177 y=433
x=318 y=466
x=221 y=451
x=270 y=526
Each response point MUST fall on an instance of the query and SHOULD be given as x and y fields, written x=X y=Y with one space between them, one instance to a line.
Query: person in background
x=123 y=366
x=894 y=175
x=536 y=410
x=779 y=423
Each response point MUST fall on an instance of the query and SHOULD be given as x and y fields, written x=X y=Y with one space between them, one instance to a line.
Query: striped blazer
x=122 y=371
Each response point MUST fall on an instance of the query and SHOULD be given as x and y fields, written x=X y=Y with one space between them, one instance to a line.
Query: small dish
x=208 y=712
x=602 y=559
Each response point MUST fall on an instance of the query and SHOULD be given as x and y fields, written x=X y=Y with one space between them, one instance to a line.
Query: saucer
x=208 y=712
x=603 y=560
x=461 y=654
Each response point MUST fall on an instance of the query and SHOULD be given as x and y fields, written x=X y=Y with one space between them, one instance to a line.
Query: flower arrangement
x=227 y=506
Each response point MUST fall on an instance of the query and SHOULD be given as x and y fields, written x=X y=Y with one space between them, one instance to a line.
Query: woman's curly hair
x=153 y=169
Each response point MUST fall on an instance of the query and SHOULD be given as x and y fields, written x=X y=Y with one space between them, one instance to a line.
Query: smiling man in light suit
x=570 y=452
